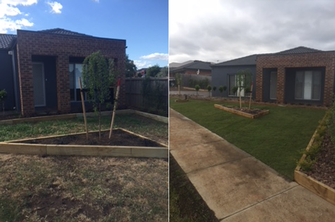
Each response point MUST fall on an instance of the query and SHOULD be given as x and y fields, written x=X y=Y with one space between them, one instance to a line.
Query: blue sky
x=142 y=23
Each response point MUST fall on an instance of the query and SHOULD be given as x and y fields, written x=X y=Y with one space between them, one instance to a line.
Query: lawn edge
x=310 y=183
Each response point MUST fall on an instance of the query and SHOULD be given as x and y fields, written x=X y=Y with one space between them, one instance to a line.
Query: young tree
x=153 y=71
x=130 y=67
x=222 y=88
x=209 y=88
x=98 y=76
x=179 y=79
x=163 y=72
x=243 y=81
x=197 y=87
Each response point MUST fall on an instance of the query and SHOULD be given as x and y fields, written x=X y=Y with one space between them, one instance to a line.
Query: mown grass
x=277 y=139
x=58 y=188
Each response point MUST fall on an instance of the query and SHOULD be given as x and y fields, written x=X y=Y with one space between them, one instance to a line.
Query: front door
x=39 y=84
x=273 y=85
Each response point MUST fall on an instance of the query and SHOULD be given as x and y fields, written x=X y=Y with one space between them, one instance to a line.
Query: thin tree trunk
x=239 y=93
x=83 y=107
x=99 y=121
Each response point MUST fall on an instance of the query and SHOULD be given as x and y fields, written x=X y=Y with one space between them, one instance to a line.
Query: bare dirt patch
x=119 y=138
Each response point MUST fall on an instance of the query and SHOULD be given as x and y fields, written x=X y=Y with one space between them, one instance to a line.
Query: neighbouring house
x=193 y=67
x=40 y=69
x=193 y=73
x=296 y=76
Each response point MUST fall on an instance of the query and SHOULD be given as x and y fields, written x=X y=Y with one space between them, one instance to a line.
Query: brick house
x=42 y=68
x=194 y=67
x=296 y=76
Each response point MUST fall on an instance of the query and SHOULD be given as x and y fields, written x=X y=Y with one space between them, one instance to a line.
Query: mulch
x=118 y=138
x=324 y=168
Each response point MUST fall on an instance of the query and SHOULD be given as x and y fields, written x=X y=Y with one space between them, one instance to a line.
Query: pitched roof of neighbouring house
x=178 y=64
x=194 y=64
x=63 y=32
x=7 y=41
x=247 y=60
x=297 y=50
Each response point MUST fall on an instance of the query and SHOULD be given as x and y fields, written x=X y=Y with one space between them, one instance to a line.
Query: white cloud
x=142 y=64
x=8 y=24
x=56 y=7
x=156 y=56
x=24 y=22
x=222 y=30
x=8 y=12
x=19 y=2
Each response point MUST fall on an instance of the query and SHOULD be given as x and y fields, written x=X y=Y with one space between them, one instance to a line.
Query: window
x=75 y=71
x=233 y=84
x=308 y=85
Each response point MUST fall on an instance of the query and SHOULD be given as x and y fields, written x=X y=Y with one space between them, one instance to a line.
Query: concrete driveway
x=235 y=185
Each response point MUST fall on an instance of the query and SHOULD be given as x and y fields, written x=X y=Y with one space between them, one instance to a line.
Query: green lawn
x=277 y=139
x=132 y=122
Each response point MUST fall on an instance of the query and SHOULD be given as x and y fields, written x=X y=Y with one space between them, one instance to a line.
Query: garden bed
x=245 y=112
x=123 y=143
x=320 y=177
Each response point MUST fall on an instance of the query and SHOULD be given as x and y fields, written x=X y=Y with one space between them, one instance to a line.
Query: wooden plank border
x=19 y=147
x=310 y=183
x=240 y=113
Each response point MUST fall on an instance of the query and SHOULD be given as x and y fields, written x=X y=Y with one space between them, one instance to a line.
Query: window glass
x=299 y=79
x=71 y=75
x=75 y=71
x=78 y=71
x=308 y=85
x=316 y=91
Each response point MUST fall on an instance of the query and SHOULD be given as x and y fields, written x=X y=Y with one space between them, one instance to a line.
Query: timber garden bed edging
x=241 y=113
x=20 y=147
x=310 y=183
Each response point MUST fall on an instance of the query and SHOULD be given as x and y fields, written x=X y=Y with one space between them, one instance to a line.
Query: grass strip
x=132 y=122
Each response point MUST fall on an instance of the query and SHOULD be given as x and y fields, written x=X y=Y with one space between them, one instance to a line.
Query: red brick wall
x=320 y=59
x=62 y=46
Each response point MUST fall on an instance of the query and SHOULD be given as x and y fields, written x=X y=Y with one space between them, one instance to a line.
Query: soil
x=324 y=168
x=119 y=138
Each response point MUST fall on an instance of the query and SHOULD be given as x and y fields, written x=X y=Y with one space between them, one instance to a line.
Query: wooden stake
x=252 y=85
x=114 y=109
x=83 y=106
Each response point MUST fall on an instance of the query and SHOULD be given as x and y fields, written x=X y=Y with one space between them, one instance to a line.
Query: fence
x=148 y=94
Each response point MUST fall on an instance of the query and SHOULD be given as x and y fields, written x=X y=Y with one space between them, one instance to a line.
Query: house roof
x=7 y=41
x=194 y=64
x=62 y=32
x=247 y=60
x=297 y=50
x=177 y=64
x=251 y=59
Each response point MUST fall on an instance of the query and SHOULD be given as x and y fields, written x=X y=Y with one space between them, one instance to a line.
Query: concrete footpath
x=235 y=185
